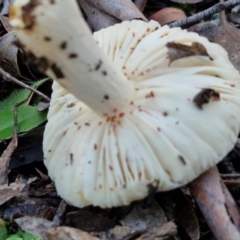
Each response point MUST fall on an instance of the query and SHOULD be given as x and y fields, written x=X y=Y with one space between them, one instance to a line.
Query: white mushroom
x=155 y=104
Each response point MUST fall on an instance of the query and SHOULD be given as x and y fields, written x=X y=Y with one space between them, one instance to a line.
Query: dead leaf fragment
x=90 y=222
x=178 y=50
x=118 y=233
x=34 y=225
x=122 y=10
x=186 y=216
x=5 y=23
x=160 y=232
x=168 y=15
x=9 y=191
x=226 y=35
x=205 y=96
x=68 y=233
x=140 y=218
x=8 y=54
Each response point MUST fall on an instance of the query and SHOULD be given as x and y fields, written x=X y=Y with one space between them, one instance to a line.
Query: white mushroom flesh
x=159 y=134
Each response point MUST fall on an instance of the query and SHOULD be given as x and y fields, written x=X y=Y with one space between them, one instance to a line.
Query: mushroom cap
x=182 y=120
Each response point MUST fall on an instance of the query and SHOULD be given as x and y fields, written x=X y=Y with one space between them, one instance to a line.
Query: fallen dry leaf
x=4 y=6
x=186 y=216
x=9 y=191
x=122 y=10
x=205 y=96
x=118 y=233
x=8 y=54
x=178 y=50
x=224 y=34
x=68 y=233
x=96 y=18
x=5 y=23
x=34 y=225
x=90 y=222
x=141 y=218
x=160 y=232
x=168 y=15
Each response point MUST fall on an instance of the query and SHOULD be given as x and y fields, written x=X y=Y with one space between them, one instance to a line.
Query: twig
x=4 y=159
x=9 y=78
x=208 y=193
x=204 y=14
x=59 y=216
x=232 y=182
x=231 y=206
x=230 y=175
x=140 y=4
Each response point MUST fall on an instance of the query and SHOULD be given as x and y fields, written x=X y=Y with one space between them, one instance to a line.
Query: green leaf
x=18 y=235
x=23 y=236
x=28 y=118
x=18 y=96
x=3 y=229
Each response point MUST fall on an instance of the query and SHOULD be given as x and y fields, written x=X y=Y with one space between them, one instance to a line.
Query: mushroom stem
x=56 y=33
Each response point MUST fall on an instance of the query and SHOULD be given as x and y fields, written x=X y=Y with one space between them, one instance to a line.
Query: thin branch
x=204 y=14
x=6 y=155
x=9 y=78
x=230 y=175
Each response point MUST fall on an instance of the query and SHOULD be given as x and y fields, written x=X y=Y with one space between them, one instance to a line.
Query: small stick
x=6 y=155
x=204 y=14
x=9 y=78
x=207 y=192
x=58 y=218
x=230 y=175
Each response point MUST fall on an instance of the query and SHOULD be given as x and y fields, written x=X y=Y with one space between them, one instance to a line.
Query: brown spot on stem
x=182 y=160
x=63 y=45
x=106 y=97
x=47 y=39
x=42 y=64
x=72 y=55
x=98 y=65
x=57 y=71
x=71 y=158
